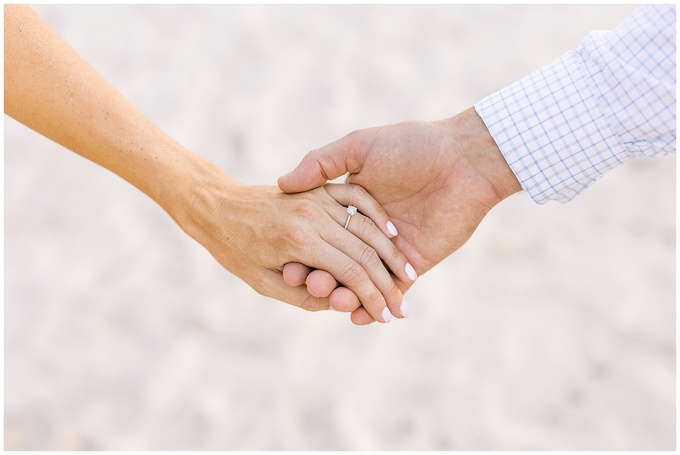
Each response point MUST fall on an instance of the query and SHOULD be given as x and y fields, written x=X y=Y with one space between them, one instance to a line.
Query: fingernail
x=331 y=308
x=403 y=309
x=386 y=315
x=391 y=229
x=410 y=272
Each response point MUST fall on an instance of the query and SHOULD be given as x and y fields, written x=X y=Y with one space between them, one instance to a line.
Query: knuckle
x=308 y=210
x=395 y=252
x=295 y=235
x=356 y=192
x=359 y=192
x=365 y=226
x=359 y=141
x=369 y=257
x=355 y=137
x=311 y=304
x=374 y=295
x=351 y=273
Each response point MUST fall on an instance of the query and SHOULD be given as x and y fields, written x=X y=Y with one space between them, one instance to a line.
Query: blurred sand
x=553 y=328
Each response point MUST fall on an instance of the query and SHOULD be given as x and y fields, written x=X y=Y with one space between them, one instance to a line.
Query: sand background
x=553 y=328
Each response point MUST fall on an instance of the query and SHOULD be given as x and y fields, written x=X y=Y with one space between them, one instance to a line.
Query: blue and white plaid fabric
x=611 y=99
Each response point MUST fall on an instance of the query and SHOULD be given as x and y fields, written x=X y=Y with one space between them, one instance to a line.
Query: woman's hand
x=254 y=231
x=436 y=204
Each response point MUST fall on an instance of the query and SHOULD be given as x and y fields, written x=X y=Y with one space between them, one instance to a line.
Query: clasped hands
x=421 y=189
x=430 y=182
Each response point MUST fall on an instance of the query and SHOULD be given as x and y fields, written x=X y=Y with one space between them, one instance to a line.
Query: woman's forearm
x=253 y=232
x=54 y=91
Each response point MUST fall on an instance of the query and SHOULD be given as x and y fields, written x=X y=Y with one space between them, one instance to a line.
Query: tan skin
x=435 y=206
x=252 y=231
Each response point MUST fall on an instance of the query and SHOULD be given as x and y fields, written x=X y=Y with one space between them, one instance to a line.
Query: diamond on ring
x=351 y=210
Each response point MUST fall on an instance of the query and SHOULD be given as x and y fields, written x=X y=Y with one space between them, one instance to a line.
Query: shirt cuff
x=551 y=131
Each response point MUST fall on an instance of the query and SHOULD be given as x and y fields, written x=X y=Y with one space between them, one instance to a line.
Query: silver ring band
x=351 y=210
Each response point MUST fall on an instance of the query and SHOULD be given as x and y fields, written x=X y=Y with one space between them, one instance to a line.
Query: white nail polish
x=410 y=272
x=386 y=315
x=403 y=309
x=391 y=229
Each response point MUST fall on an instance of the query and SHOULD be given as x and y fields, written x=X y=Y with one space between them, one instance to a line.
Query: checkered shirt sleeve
x=611 y=99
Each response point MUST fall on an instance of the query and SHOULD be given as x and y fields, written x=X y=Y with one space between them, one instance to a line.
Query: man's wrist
x=478 y=146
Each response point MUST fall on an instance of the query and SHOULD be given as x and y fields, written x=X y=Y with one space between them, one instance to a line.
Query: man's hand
x=436 y=180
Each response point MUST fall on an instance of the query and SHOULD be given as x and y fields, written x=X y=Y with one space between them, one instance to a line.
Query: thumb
x=326 y=163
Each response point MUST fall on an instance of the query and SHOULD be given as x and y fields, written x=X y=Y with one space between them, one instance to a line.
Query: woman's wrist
x=188 y=187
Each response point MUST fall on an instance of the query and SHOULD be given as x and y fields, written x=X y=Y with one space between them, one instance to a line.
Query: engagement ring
x=351 y=210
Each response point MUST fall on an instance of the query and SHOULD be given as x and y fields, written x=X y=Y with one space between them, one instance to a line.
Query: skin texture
x=435 y=206
x=252 y=231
